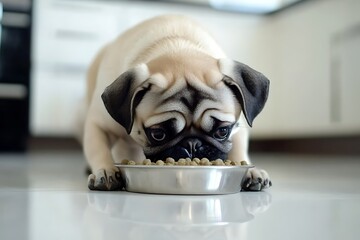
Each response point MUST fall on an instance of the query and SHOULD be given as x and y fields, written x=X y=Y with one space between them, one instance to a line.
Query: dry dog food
x=186 y=162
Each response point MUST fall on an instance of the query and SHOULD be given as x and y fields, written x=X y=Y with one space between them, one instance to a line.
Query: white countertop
x=43 y=195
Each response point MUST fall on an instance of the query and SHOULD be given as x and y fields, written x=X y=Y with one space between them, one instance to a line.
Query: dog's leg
x=127 y=149
x=255 y=179
x=97 y=148
x=239 y=151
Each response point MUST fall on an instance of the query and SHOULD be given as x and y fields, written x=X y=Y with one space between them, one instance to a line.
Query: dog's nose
x=191 y=145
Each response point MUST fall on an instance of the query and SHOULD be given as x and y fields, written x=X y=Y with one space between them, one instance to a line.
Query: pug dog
x=163 y=89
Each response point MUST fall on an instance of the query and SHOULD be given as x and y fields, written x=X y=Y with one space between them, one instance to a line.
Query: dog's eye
x=221 y=133
x=157 y=134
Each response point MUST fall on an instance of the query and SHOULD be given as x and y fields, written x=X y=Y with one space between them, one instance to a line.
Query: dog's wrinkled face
x=191 y=115
x=177 y=107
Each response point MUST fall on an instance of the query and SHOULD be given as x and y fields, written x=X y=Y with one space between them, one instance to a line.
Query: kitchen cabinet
x=15 y=31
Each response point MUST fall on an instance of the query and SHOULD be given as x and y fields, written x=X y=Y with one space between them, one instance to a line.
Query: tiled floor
x=43 y=195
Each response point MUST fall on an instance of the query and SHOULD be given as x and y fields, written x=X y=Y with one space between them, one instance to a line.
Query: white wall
x=293 y=48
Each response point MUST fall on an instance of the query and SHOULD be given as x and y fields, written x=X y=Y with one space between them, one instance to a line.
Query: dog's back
x=147 y=40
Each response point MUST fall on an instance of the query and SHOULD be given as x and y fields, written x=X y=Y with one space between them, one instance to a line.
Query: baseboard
x=53 y=143
x=333 y=145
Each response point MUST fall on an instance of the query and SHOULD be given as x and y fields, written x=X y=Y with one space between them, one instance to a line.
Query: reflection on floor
x=43 y=195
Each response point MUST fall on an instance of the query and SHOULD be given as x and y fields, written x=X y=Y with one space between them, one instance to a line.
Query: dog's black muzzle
x=190 y=148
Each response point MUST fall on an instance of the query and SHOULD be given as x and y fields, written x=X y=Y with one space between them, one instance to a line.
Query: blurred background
x=310 y=50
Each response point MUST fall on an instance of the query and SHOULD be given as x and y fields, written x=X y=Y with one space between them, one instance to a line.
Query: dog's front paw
x=106 y=180
x=256 y=180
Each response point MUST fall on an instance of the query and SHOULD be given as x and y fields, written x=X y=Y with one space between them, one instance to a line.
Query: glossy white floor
x=43 y=195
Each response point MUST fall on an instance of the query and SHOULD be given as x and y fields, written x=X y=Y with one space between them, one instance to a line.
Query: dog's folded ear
x=123 y=95
x=250 y=87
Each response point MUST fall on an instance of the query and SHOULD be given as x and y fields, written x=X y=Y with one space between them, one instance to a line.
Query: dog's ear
x=123 y=95
x=250 y=87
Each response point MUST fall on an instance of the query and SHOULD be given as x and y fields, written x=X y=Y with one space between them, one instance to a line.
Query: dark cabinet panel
x=14 y=77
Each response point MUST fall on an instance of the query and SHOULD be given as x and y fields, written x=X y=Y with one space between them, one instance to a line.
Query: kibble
x=217 y=162
x=193 y=163
x=181 y=162
x=131 y=163
x=228 y=163
x=243 y=163
x=124 y=161
x=186 y=162
x=205 y=162
x=170 y=160
x=147 y=162
x=197 y=160
x=160 y=162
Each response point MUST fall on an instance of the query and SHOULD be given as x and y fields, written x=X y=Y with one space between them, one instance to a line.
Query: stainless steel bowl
x=183 y=179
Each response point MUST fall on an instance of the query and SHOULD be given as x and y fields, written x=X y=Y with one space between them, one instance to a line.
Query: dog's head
x=186 y=106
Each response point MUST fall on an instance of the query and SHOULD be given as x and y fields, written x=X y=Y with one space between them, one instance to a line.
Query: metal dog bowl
x=194 y=180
